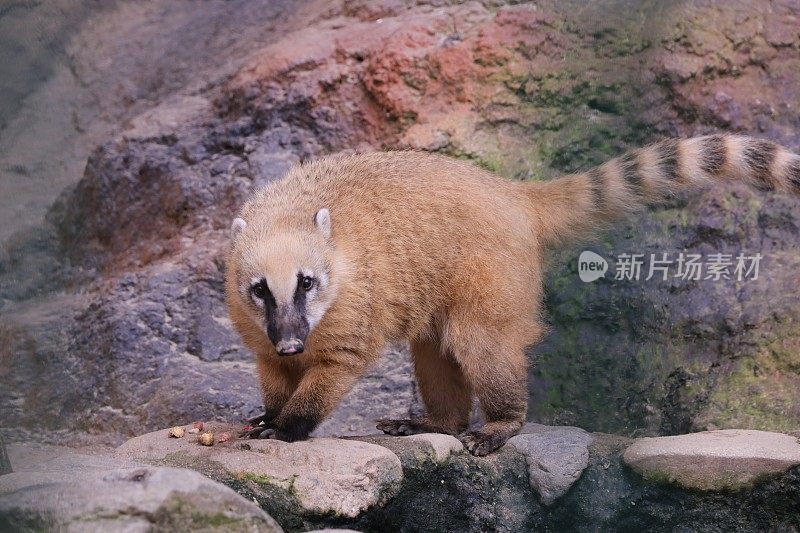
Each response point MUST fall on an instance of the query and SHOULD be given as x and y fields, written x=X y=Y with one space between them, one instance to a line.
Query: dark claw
x=268 y=433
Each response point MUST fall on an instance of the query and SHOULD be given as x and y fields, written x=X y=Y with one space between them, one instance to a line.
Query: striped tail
x=578 y=205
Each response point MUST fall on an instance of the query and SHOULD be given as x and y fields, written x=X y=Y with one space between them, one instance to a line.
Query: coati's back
x=419 y=229
x=422 y=233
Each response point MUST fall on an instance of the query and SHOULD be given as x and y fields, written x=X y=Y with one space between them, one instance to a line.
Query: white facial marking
x=315 y=311
x=313 y=317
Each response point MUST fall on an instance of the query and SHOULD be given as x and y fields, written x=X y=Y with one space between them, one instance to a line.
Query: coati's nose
x=290 y=346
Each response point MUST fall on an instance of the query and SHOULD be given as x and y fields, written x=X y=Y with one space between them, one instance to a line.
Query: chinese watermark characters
x=664 y=266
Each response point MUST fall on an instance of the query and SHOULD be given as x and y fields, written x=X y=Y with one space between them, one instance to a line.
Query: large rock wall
x=529 y=91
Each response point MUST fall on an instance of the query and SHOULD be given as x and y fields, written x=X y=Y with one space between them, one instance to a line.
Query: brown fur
x=450 y=257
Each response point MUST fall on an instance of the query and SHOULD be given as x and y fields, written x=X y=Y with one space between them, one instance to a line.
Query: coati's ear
x=237 y=225
x=323 y=221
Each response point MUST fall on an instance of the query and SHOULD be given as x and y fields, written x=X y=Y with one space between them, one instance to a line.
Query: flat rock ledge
x=729 y=459
x=54 y=489
x=545 y=478
x=325 y=476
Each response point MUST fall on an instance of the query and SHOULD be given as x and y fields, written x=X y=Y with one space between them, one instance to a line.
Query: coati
x=348 y=252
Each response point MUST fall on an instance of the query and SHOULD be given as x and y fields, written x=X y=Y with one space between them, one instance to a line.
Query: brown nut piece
x=206 y=439
x=176 y=432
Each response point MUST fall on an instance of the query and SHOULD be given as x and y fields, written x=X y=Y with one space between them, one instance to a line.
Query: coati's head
x=284 y=278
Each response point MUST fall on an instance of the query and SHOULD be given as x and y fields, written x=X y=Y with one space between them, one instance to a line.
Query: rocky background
x=113 y=321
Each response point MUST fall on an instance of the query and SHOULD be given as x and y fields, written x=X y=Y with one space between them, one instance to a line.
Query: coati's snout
x=287 y=329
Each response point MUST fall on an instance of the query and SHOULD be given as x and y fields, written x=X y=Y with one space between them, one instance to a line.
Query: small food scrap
x=197 y=427
x=224 y=437
x=247 y=428
x=176 y=432
x=207 y=439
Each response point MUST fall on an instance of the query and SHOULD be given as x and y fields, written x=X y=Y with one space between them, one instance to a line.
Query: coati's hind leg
x=445 y=392
x=494 y=363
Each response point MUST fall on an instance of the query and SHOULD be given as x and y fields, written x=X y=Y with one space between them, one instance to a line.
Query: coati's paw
x=479 y=442
x=272 y=431
x=400 y=427
x=267 y=432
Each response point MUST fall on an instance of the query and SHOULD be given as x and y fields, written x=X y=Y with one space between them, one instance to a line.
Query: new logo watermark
x=664 y=265
x=591 y=266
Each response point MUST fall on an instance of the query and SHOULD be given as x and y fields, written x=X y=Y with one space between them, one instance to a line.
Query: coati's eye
x=307 y=283
x=259 y=290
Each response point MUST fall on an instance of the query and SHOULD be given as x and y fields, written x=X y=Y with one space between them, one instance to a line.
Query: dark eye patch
x=304 y=284
x=261 y=291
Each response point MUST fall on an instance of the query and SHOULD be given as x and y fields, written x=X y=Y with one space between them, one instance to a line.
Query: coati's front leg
x=277 y=382
x=319 y=391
